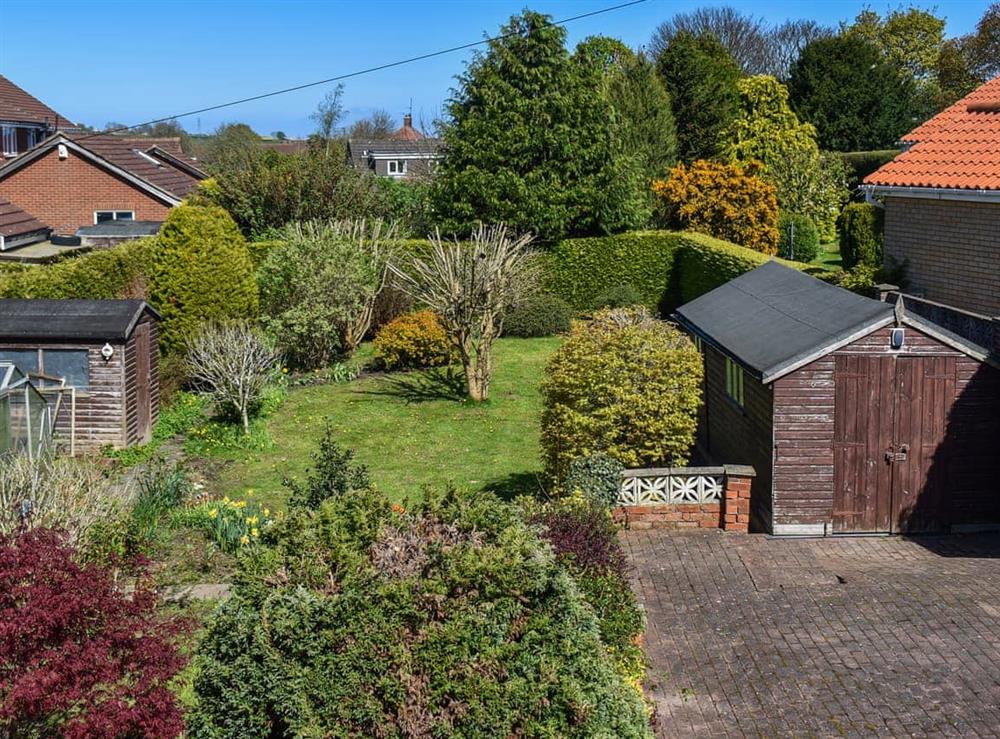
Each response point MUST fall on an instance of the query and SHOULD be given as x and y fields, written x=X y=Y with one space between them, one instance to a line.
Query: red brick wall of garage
x=64 y=193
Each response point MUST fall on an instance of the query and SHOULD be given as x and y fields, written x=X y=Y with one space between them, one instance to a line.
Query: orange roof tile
x=958 y=148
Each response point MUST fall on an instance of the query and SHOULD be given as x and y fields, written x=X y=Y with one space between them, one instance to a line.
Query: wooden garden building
x=857 y=417
x=94 y=360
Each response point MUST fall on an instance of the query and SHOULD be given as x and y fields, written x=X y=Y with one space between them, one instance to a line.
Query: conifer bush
x=623 y=384
x=448 y=619
x=202 y=272
x=860 y=230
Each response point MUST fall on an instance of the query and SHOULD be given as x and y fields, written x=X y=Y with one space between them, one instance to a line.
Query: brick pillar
x=736 y=498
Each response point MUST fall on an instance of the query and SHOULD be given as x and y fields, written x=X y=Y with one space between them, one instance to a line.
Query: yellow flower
x=266 y=513
x=254 y=532
x=252 y=519
x=213 y=513
x=244 y=540
x=284 y=370
x=225 y=499
x=249 y=491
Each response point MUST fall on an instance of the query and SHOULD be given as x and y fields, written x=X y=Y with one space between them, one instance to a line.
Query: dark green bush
x=580 y=271
x=799 y=237
x=448 y=620
x=619 y=296
x=333 y=475
x=598 y=477
x=202 y=272
x=543 y=314
x=860 y=228
x=120 y=272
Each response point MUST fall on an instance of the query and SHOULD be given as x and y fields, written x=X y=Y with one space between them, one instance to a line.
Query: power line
x=359 y=72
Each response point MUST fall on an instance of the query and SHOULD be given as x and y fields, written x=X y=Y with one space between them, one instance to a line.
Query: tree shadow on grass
x=440 y=383
x=510 y=486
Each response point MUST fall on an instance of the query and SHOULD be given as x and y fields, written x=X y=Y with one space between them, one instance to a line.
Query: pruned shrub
x=799 y=237
x=623 y=384
x=451 y=619
x=597 y=477
x=412 y=341
x=619 y=296
x=333 y=475
x=860 y=227
x=542 y=314
x=727 y=201
x=79 y=657
x=202 y=273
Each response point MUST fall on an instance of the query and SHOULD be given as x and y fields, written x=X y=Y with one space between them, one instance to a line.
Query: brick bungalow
x=405 y=154
x=942 y=204
x=69 y=182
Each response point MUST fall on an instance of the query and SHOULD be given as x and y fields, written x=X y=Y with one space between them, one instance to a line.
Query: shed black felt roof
x=774 y=318
x=70 y=320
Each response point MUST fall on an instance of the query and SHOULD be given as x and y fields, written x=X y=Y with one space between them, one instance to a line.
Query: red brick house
x=25 y=120
x=942 y=204
x=70 y=182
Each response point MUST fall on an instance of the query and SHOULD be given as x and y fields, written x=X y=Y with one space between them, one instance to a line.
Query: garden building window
x=397 y=166
x=734 y=382
x=70 y=364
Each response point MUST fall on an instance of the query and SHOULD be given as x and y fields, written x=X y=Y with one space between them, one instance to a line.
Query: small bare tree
x=233 y=362
x=471 y=285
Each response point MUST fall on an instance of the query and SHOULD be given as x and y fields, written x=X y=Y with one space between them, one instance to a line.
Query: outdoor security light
x=107 y=351
x=896 y=338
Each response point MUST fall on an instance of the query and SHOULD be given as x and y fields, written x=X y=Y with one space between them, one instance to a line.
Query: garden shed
x=858 y=417
x=95 y=361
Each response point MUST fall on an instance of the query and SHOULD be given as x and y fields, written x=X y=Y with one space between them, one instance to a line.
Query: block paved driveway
x=750 y=636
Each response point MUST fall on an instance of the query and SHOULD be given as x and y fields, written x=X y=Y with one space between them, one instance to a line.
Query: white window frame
x=734 y=382
x=8 y=134
x=114 y=215
x=393 y=167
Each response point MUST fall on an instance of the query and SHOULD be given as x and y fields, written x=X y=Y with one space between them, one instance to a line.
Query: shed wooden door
x=890 y=451
x=144 y=409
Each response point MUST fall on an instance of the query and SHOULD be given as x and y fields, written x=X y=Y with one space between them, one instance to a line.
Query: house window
x=9 y=136
x=734 y=382
x=397 y=166
x=103 y=216
x=70 y=364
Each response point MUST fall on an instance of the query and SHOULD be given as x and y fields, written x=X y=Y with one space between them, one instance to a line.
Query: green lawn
x=829 y=257
x=411 y=429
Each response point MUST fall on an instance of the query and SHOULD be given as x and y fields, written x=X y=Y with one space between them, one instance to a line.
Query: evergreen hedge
x=580 y=271
x=103 y=274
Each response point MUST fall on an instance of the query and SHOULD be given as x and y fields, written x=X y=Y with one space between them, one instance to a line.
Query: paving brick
x=751 y=636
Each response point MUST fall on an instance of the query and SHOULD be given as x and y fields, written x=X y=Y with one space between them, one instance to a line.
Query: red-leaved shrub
x=78 y=658
x=586 y=535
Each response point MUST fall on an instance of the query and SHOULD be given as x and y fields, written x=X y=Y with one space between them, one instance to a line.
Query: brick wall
x=951 y=249
x=732 y=513
x=64 y=193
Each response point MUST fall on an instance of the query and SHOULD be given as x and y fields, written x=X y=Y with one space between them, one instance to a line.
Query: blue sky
x=133 y=61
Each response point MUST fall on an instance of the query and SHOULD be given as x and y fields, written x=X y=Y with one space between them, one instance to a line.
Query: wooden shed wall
x=804 y=408
x=735 y=435
x=132 y=431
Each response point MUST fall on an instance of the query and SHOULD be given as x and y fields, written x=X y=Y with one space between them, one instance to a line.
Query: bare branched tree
x=744 y=36
x=328 y=113
x=788 y=40
x=379 y=125
x=471 y=285
x=233 y=362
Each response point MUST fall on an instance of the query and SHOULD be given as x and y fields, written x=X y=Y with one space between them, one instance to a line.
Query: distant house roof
x=157 y=165
x=361 y=150
x=407 y=132
x=70 y=320
x=959 y=148
x=16 y=105
x=16 y=222
x=121 y=229
x=775 y=319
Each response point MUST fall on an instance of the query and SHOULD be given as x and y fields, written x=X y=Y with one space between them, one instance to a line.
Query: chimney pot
x=408 y=120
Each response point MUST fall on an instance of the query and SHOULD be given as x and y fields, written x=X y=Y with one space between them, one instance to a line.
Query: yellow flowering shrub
x=231 y=524
x=727 y=201
x=412 y=341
